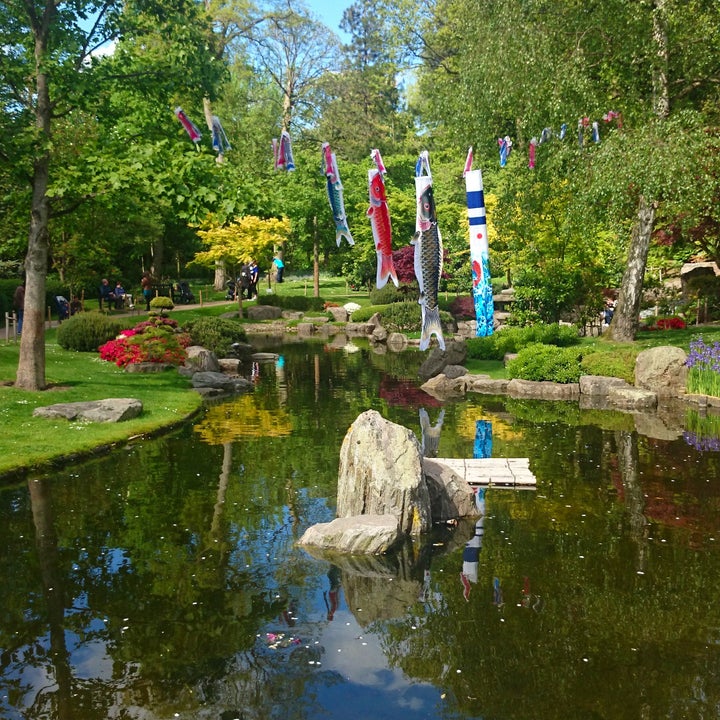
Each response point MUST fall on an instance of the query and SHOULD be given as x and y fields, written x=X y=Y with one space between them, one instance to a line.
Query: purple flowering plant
x=703 y=364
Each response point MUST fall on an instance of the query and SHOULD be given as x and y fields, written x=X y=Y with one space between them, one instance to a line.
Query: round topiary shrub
x=87 y=331
x=161 y=304
x=215 y=334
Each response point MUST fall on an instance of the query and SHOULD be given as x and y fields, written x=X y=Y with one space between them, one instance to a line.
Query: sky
x=330 y=13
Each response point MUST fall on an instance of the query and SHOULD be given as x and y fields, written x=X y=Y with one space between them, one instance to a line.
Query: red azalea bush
x=665 y=323
x=463 y=307
x=156 y=340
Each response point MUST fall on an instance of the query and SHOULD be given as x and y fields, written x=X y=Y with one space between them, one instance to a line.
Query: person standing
x=279 y=269
x=19 y=305
x=254 y=276
x=146 y=285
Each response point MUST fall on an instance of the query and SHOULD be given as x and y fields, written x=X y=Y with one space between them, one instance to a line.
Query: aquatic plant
x=702 y=432
x=704 y=368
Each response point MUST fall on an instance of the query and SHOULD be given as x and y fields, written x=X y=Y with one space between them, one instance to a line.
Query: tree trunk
x=626 y=319
x=661 y=91
x=31 y=364
x=316 y=261
x=219 y=283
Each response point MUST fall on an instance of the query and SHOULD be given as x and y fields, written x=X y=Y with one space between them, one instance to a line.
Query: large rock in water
x=455 y=353
x=662 y=370
x=380 y=473
x=367 y=534
x=201 y=359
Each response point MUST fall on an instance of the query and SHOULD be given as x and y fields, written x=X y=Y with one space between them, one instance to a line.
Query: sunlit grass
x=28 y=441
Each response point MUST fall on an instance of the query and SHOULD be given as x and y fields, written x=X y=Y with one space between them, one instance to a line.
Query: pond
x=163 y=580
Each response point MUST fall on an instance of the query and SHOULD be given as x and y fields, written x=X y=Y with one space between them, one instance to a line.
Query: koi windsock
x=189 y=126
x=428 y=259
x=335 y=195
x=531 y=153
x=282 y=152
x=379 y=215
x=479 y=254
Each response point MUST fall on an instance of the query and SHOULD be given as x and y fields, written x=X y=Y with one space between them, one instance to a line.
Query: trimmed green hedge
x=293 y=302
x=547 y=362
x=87 y=331
x=400 y=316
x=514 y=339
x=215 y=333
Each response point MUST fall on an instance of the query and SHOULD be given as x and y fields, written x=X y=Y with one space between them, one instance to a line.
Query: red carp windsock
x=188 y=124
x=379 y=215
x=531 y=153
x=282 y=152
x=428 y=254
x=479 y=253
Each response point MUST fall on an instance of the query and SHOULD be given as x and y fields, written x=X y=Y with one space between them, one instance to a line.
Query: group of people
x=248 y=280
x=112 y=296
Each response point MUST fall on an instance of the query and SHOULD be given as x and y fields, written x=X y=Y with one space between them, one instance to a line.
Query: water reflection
x=164 y=580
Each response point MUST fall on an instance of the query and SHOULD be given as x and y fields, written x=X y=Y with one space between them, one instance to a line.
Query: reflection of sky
x=371 y=689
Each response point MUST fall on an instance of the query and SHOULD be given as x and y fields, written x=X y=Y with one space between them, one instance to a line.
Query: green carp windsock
x=428 y=254
x=479 y=254
x=335 y=195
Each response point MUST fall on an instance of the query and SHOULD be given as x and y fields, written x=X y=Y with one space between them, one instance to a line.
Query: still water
x=163 y=581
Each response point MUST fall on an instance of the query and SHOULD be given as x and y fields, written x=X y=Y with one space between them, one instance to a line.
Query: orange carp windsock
x=379 y=215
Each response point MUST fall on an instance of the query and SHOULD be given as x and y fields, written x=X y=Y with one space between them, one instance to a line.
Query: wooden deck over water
x=493 y=472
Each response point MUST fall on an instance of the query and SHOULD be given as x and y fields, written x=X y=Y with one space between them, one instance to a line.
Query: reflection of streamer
x=483 y=439
x=430 y=434
x=332 y=596
x=425 y=592
x=497 y=593
x=471 y=553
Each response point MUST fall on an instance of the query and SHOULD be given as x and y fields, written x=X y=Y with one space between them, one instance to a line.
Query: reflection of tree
x=634 y=498
x=242 y=418
x=53 y=589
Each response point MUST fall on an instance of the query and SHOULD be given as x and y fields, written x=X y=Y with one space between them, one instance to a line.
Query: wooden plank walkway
x=493 y=472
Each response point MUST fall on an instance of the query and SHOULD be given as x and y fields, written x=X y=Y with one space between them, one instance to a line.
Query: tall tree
x=49 y=71
x=362 y=107
x=294 y=51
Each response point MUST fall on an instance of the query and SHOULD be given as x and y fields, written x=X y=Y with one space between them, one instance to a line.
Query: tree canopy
x=100 y=176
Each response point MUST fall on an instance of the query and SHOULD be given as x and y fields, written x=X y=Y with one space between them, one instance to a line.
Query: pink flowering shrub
x=156 y=340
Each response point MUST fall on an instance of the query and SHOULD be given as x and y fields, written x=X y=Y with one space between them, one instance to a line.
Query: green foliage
x=513 y=339
x=293 y=302
x=402 y=317
x=160 y=303
x=546 y=362
x=616 y=362
x=366 y=312
x=87 y=331
x=399 y=316
x=215 y=333
x=391 y=294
